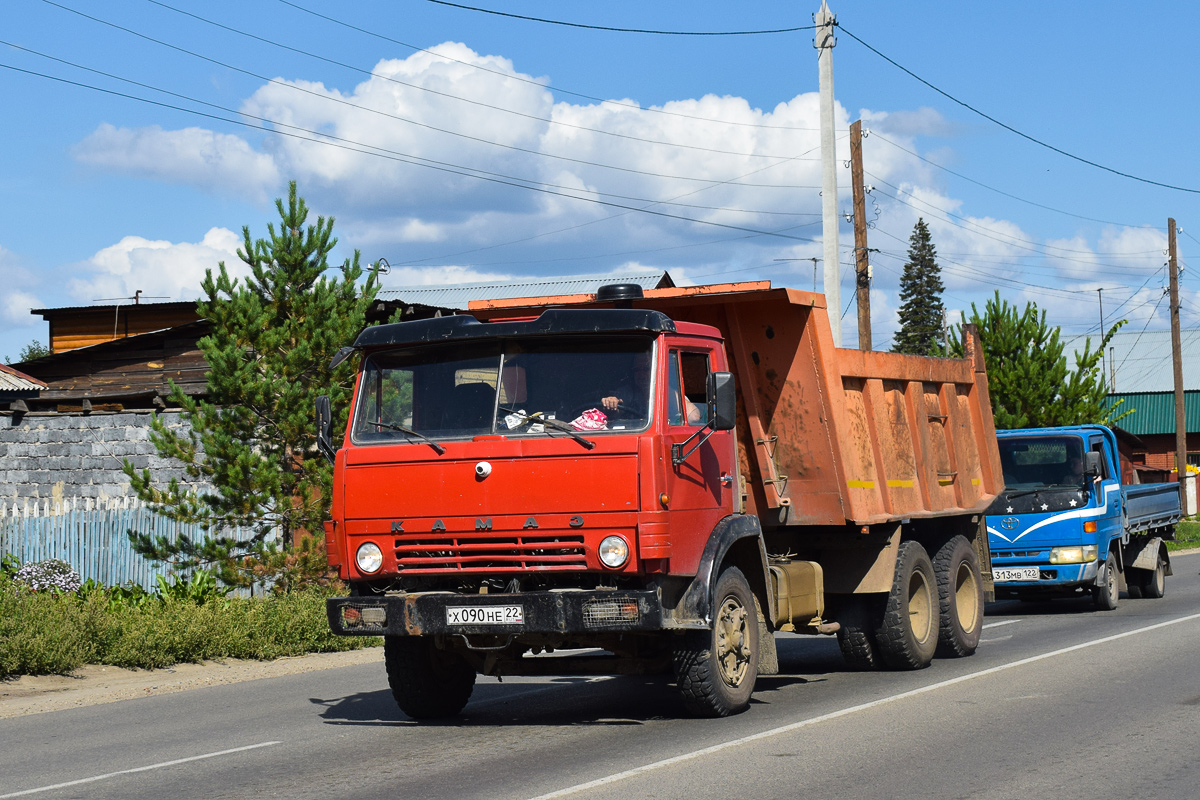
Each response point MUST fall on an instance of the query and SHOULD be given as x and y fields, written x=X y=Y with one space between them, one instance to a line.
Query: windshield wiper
x=1011 y=495
x=440 y=450
x=558 y=425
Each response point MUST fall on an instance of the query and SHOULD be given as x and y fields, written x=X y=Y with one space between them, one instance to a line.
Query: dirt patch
x=93 y=684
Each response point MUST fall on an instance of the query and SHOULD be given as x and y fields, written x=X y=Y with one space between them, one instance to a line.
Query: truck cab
x=1065 y=525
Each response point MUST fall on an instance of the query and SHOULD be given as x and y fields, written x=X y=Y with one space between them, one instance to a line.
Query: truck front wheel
x=427 y=683
x=909 y=633
x=960 y=598
x=1107 y=591
x=716 y=669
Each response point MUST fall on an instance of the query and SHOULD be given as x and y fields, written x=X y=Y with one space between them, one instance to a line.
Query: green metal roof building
x=1154 y=412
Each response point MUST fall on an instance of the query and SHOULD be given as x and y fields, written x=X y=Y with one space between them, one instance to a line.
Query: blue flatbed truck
x=1066 y=526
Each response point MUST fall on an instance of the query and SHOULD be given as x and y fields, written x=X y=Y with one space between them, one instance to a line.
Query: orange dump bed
x=831 y=436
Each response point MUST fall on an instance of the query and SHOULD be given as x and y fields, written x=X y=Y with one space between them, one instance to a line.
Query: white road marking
x=716 y=748
x=1001 y=622
x=138 y=769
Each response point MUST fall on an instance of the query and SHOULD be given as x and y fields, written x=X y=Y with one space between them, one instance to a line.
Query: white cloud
x=157 y=268
x=215 y=161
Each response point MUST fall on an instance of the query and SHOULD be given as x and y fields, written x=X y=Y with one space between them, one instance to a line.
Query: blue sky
x=105 y=195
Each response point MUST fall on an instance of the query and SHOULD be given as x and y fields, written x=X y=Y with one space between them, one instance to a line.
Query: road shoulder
x=95 y=684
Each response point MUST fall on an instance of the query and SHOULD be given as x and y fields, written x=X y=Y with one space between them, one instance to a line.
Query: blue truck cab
x=1065 y=525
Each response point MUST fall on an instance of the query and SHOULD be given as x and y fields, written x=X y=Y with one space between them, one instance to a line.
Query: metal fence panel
x=94 y=541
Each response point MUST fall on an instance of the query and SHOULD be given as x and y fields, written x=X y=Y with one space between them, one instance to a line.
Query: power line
x=1010 y=128
x=1012 y=241
x=620 y=30
x=537 y=83
x=390 y=79
x=379 y=112
x=381 y=152
x=883 y=138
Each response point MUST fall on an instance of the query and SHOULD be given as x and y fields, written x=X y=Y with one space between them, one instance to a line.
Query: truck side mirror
x=722 y=401
x=1091 y=463
x=325 y=428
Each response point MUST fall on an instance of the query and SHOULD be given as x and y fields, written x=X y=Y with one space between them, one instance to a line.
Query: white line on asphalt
x=1001 y=622
x=716 y=748
x=137 y=769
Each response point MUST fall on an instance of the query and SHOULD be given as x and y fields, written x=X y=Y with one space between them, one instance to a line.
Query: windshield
x=529 y=387
x=1042 y=462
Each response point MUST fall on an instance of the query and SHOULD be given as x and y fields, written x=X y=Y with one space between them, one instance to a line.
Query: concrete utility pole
x=824 y=43
x=1103 y=371
x=862 y=277
x=1177 y=357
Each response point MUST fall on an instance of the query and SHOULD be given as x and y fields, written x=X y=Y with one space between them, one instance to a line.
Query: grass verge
x=1187 y=536
x=55 y=633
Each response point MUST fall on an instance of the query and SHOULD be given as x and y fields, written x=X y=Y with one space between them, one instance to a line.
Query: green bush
x=55 y=633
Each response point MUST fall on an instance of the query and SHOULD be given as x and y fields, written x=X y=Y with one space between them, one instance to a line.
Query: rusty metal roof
x=15 y=384
x=458 y=296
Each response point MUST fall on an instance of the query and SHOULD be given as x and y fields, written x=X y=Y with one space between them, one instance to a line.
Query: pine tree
x=1029 y=381
x=921 y=309
x=254 y=438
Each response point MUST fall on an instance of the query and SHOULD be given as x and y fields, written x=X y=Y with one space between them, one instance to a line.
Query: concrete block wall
x=57 y=457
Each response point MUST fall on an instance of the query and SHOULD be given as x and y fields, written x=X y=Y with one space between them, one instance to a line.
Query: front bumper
x=1054 y=579
x=553 y=612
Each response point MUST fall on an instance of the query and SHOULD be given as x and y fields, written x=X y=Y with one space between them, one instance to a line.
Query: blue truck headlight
x=1075 y=554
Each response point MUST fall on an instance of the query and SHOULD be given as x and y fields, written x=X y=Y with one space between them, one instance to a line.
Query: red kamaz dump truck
x=652 y=482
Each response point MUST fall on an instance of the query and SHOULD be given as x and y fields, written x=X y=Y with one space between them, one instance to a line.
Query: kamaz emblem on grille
x=398 y=526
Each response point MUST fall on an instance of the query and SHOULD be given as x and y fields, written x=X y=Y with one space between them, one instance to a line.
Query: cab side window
x=674 y=390
x=1097 y=446
x=695 y=368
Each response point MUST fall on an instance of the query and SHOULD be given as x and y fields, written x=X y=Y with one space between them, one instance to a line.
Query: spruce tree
x=1029 y=381
x=253 y=439
x=921 y=309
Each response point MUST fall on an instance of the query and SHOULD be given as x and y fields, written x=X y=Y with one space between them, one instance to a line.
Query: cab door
x=701 y=487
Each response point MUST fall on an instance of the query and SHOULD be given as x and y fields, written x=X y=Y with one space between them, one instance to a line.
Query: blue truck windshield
x=1041 y=473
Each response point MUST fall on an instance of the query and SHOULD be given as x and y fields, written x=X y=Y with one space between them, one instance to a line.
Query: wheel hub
x=732 y=644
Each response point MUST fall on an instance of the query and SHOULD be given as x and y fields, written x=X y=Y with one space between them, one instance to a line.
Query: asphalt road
x=1059 y=701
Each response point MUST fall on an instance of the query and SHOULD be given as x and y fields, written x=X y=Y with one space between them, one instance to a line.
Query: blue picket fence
x=94 y=541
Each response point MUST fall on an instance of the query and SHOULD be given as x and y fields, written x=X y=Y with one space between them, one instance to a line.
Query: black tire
x=859 y=619
x=908 y=635
x=1107 y=591
x=960 y=598
x=427 y=683
x=1153 y=583
x=716 y=669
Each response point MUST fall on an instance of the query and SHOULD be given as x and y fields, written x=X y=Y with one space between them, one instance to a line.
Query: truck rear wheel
x=1151 y=583
x=960 y=598
x=908 y=635
x=1107 y=591
x=859 y=619
x=427 y=683
x=716 y=669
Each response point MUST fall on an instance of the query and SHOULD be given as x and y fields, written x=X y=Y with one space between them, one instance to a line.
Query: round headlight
x=613 y=551
x=369 y=557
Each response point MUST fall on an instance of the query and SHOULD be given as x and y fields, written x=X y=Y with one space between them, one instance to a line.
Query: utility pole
x=1103 y=371
x=824 y=43
x=861 y=277
x=1177 y=358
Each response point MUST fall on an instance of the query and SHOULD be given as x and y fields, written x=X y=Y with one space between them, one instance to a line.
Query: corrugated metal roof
x=14 y=383
x=1141 y=360
x=1154 y=412
x=457 y=296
